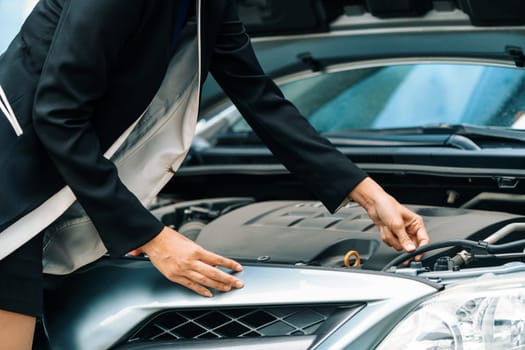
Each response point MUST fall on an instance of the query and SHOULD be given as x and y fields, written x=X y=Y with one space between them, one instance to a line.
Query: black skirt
x=21 y=279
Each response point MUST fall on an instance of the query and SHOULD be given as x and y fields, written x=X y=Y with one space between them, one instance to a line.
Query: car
x=427 y=97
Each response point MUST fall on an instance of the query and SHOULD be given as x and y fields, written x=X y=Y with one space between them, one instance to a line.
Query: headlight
x=485 y=314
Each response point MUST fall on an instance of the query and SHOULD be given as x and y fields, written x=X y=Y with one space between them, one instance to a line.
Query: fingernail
x=238 y=268
x=239 y=284
x=410 y=247
x=208 y=294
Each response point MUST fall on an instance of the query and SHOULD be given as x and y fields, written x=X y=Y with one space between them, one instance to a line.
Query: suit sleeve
x=328 y=173
x=83 y=52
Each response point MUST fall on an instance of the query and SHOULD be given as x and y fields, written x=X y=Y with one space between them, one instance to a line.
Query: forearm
x=325 y=171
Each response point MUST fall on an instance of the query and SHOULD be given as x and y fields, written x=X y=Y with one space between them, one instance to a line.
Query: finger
x=398 y=229
x=197 y=288
x=407 y=262
x=423 y=239
x=217 y=275
x=208 y=282
x=135 y=252
x=384 y=237
x=217 y=260
x=390 y=239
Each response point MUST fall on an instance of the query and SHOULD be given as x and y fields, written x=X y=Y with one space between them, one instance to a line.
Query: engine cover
x=299 y=232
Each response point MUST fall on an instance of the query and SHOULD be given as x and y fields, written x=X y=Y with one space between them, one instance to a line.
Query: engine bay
x=303 y=232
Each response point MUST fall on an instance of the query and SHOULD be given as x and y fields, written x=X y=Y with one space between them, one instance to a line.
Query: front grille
x=233 y=323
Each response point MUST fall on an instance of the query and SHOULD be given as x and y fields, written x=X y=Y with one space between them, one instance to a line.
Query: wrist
x=150 y=246
x=366 y=193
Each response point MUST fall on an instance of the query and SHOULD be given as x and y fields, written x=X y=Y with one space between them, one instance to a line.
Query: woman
x=77 y=76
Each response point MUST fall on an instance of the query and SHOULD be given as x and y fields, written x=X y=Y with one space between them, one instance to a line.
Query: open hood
x=296 y=35
x=276 y=17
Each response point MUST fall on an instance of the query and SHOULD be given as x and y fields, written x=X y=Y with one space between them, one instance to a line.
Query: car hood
x=296 y=36
x=98 y=309
x=273 y=17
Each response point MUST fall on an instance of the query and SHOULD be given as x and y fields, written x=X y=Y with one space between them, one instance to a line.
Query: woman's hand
x=184 y=262
x=400 y=228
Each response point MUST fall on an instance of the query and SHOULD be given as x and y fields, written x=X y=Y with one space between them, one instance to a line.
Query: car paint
x=117 y=295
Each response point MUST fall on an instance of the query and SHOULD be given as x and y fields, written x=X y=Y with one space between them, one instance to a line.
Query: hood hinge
x=517 y=55
x=507 y=182
x=314 y=64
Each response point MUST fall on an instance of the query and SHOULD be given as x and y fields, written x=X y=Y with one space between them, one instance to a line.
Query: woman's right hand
x=400 y=228
x=184 y=262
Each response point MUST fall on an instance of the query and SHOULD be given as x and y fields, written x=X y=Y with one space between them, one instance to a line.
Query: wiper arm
x=475 y=131
x=459 y=136
x=400 y=140
x=463 y=137
x=358 y=138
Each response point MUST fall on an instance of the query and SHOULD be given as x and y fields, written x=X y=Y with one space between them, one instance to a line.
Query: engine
x=305 y=233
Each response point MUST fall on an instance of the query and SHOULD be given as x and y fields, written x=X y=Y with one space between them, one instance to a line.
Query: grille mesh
x=233 y=323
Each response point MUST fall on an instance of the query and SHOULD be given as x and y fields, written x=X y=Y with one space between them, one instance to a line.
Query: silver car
x=428 y=97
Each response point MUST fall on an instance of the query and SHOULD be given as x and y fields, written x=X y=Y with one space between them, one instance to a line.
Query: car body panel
x=118 y=295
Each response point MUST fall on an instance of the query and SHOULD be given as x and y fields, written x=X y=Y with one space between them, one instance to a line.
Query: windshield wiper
x=373 y=140
x=466 y=137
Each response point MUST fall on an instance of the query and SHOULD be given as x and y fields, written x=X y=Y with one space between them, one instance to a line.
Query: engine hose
x=490 y=248
x=500 y=248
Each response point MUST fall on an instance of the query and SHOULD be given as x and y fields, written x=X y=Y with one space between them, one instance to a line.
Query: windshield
x=409 y=95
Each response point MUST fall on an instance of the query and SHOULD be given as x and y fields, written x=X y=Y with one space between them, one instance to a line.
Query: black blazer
x=81 y=71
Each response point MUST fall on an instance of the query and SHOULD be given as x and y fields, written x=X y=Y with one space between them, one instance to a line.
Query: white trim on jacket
x=145 y=156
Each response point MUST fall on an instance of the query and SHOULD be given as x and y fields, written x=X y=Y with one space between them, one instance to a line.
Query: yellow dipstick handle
x=352 y=254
